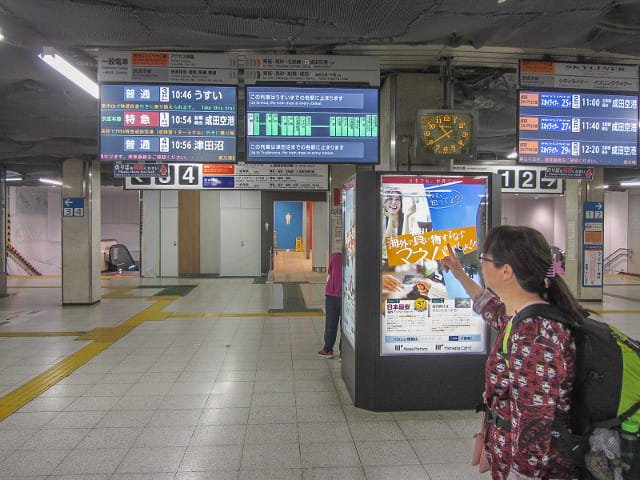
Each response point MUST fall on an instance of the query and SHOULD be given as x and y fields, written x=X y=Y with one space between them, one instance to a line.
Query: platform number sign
x=528 y=180
x=168 y=178
x=549 y=183
x=188 y=175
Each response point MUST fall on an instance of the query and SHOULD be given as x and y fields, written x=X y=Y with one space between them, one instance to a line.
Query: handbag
x=479 y=457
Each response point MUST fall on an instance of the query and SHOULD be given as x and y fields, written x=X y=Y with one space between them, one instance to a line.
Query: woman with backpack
x=530 y=371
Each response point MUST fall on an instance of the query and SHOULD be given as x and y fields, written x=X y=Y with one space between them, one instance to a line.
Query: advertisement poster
x=349 y=263
x=424 y=309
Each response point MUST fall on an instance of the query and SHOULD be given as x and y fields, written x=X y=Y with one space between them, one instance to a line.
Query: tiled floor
x=210 y=386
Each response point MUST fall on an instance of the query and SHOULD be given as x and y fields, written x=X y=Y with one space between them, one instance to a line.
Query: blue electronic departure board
x=167 y=123
x=576 y=128
x=312 y=125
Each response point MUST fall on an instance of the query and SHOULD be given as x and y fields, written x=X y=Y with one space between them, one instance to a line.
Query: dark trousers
x=333 y=308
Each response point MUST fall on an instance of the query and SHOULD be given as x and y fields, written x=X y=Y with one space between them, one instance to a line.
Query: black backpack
x=607 y=386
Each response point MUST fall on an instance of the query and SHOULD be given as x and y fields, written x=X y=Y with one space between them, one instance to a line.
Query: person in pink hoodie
x=333 y=304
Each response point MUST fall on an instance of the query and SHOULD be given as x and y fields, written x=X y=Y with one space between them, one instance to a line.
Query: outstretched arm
x=451 y=264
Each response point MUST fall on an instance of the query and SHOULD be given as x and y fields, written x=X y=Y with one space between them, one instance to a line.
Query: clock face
x=446 y=133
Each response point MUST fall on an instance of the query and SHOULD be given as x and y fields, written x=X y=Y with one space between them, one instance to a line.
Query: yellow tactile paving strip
x=30 y=390
x=41 y=334
x=102 y=338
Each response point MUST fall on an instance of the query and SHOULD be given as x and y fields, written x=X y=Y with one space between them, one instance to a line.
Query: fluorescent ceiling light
x=512 y=155
x=630 y=184
x=58 y=63
x=51 y=182
x=13 y=179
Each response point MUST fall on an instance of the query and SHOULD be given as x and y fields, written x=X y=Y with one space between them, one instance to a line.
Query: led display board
x=577 y=128
x=167 y=123
x=425 y=310
x=312 y=125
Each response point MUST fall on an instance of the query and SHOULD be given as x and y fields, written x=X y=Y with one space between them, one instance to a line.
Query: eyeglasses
x=484 y=259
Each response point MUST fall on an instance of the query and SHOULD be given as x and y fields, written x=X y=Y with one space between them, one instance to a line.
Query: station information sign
x=220 y=176
x=167 y=123
x=534 y=74
x=312 y=125
x=578 y=128
x=198 y=68
x=310 y=69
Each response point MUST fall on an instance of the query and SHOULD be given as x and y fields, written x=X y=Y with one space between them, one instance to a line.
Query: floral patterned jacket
x=528 y=387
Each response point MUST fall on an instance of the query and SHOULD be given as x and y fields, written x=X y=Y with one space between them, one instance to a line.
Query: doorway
x=293 y=242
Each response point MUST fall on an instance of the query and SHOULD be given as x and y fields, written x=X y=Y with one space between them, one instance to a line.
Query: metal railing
x=610 y=262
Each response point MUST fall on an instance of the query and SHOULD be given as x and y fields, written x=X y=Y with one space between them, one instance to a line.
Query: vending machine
x=410 y=338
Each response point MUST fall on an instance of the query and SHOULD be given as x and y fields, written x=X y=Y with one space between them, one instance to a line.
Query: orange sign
x=218 y=169
x=593 y=237
x=536 y=66
x=529 y=123
x=411 y=249
x=528 y=146
x=149 y=59
x=529 y=99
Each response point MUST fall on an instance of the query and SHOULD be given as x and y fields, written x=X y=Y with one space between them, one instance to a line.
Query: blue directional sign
x=73 y=207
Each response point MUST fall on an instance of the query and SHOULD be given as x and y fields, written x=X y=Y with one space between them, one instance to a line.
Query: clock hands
x=445 y=134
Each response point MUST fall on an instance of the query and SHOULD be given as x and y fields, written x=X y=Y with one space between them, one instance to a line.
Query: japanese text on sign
x=411 y=249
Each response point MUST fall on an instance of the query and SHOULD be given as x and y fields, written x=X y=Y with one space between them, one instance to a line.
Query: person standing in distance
x=333 y=305
x=528 y=385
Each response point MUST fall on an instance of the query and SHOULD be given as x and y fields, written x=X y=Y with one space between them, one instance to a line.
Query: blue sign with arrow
x=73 y=207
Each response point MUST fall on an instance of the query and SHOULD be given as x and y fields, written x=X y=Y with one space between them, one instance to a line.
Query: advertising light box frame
x=312 y=124
x=165 y=129
x=572 y=132
x=406 y=379
x=420 y=216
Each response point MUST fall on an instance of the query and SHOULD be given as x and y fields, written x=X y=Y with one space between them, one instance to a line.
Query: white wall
x=240 y=241
x=633 y=230
x=150 y=248
x=540 y=212
x=36 y=214
x=616 y=214
x=209 y=232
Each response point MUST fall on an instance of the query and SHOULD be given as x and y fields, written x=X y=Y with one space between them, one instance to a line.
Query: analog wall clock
x=446 y=133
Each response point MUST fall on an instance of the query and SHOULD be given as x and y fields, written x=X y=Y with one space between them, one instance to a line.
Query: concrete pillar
x=320 y=237
x=576 y=193
x=593 y=191
x=80 y=232
x=573 y=264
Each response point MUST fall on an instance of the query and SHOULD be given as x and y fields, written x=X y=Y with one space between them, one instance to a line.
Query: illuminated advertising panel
x=424 y=309
x=578 y=128
x=312 y=125
x=167 y=123
x=349 y=262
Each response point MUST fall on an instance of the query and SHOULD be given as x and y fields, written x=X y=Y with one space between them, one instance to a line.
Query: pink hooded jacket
x=334 y=283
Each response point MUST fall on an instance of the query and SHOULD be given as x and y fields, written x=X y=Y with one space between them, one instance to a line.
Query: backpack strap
x=615 y=421
x=545 y=310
